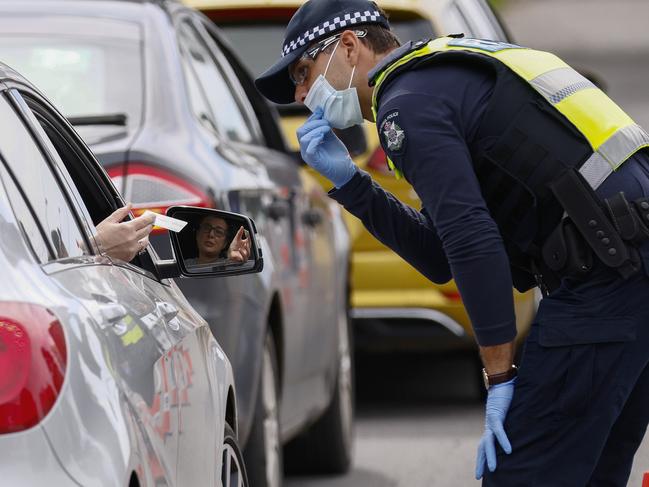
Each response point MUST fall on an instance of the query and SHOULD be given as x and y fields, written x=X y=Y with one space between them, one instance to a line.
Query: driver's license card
x=164 y=221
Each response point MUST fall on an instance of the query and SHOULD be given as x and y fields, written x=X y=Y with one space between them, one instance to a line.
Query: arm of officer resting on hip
x=406 y=231
x=124 y=239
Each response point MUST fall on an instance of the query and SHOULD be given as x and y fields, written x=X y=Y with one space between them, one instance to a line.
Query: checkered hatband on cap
x=331 y=26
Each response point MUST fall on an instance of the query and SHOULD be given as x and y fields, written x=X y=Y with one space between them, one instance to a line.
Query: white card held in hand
x=167 y=222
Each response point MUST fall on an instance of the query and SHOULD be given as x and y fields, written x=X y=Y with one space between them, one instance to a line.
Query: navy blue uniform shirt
x=427 y=123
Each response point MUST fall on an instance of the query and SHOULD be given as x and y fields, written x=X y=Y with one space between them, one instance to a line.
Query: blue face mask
x=341 y=107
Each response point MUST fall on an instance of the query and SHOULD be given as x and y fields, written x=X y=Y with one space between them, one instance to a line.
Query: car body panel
x=385 y=289
x=142 y=365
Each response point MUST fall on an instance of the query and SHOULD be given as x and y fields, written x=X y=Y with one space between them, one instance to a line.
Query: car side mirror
x=213 y=243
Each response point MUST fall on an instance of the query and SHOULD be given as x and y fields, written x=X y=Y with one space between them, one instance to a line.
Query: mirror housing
x=212 y=244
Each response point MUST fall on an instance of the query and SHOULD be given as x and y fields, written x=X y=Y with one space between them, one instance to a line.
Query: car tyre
x=327 y=446
x=233 y=470
x=263 y=451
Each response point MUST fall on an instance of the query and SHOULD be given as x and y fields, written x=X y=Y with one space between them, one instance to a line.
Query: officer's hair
x=379 y=39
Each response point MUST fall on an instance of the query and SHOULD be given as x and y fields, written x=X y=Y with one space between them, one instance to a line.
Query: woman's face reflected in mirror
x=211 y=239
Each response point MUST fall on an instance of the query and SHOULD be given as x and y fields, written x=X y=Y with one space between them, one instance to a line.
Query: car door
x=183 y=408
x=158 y=332
x=312 y=250
x=268 y=201
x=130 y=336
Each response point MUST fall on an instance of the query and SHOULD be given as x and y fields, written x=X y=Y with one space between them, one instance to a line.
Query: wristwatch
x=493 y=379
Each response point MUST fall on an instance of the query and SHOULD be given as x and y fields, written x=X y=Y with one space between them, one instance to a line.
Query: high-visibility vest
x=610 y=132
x=545 y=118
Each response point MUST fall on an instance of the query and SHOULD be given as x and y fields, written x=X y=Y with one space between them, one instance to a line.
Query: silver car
x=162 y=100
x=109 y=376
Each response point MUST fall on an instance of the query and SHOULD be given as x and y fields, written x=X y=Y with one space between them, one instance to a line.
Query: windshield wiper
x=110 y=119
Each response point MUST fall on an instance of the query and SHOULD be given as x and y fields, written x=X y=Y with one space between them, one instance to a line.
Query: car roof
x=420 y=7
x=131 y=10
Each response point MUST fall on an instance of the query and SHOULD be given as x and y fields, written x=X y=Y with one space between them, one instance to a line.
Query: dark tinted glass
x=226 y=114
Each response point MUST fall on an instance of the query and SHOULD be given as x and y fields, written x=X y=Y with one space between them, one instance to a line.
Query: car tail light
x=378 y=162
x=155 y=189
x=33 y=359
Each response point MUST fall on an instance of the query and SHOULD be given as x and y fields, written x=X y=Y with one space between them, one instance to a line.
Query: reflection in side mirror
x=215 y=243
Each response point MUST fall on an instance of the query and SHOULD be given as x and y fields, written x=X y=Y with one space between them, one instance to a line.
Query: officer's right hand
x=323 y=151
x=499 y=399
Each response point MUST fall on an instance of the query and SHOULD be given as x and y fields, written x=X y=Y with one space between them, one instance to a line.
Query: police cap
x=315 y=20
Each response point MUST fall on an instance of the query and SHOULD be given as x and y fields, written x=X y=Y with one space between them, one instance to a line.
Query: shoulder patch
x=392 y=133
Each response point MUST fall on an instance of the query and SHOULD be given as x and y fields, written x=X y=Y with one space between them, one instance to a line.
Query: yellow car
x=394 y=306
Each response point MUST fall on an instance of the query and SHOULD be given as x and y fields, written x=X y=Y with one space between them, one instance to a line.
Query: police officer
x=528 y=175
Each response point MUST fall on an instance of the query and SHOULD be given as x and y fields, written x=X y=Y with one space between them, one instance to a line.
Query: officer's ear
x=351 y=46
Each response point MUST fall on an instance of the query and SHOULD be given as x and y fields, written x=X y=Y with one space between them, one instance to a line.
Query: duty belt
x=609 y=233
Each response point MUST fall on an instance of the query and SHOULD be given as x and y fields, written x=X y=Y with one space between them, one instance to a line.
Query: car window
x=478 y=21
x=92 y=189
x=32 y=232
x=207 y=29
x=41 y=189
x=87 y=66
x=226 y=114
x=59 y=167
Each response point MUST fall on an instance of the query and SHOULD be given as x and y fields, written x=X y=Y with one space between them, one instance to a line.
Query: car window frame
x=266 y=115
x=35 y=102
x=229 y=74
x=7 y=177
x=14 y=101
x=185 y=19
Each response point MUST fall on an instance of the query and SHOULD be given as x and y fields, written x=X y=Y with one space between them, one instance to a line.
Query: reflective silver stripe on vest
x=617 y=149
x=560 y=83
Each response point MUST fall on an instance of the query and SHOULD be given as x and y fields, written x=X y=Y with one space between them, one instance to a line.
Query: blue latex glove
x=323 y=151
x=499 y=398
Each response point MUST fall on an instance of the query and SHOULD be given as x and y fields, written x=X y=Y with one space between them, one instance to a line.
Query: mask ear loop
x=330 y=59
x=329 y=62
x=352 y=78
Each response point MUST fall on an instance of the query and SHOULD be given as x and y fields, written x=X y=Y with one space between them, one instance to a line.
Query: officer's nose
x=300 y=93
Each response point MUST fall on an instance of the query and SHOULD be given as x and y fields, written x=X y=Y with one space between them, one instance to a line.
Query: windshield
x=259 y=45
x=83 y=75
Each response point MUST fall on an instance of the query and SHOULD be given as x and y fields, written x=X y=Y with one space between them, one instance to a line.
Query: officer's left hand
x=499 y=398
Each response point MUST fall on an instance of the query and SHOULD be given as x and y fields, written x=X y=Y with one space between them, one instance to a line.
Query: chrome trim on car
x=410 y=313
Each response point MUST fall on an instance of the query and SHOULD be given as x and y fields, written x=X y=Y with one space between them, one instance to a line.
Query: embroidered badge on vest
x=392 y=132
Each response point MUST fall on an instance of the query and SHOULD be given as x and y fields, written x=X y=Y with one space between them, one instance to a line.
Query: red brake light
x=155 y=189
x=33 y=359
x=378 y=162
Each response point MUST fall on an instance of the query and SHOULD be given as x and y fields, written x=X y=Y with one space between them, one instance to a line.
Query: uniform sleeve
x=424 y=135
x=396 y=225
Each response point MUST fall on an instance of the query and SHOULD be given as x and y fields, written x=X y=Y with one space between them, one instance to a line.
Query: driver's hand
x=123 y=240
x=239 y=250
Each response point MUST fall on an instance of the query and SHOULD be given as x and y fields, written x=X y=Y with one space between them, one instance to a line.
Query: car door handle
x=277 y=209
x=167 y=310
x=113 y=313
x=312 y=217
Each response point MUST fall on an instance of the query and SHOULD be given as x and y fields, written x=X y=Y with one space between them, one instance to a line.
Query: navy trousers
x=581 y=402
